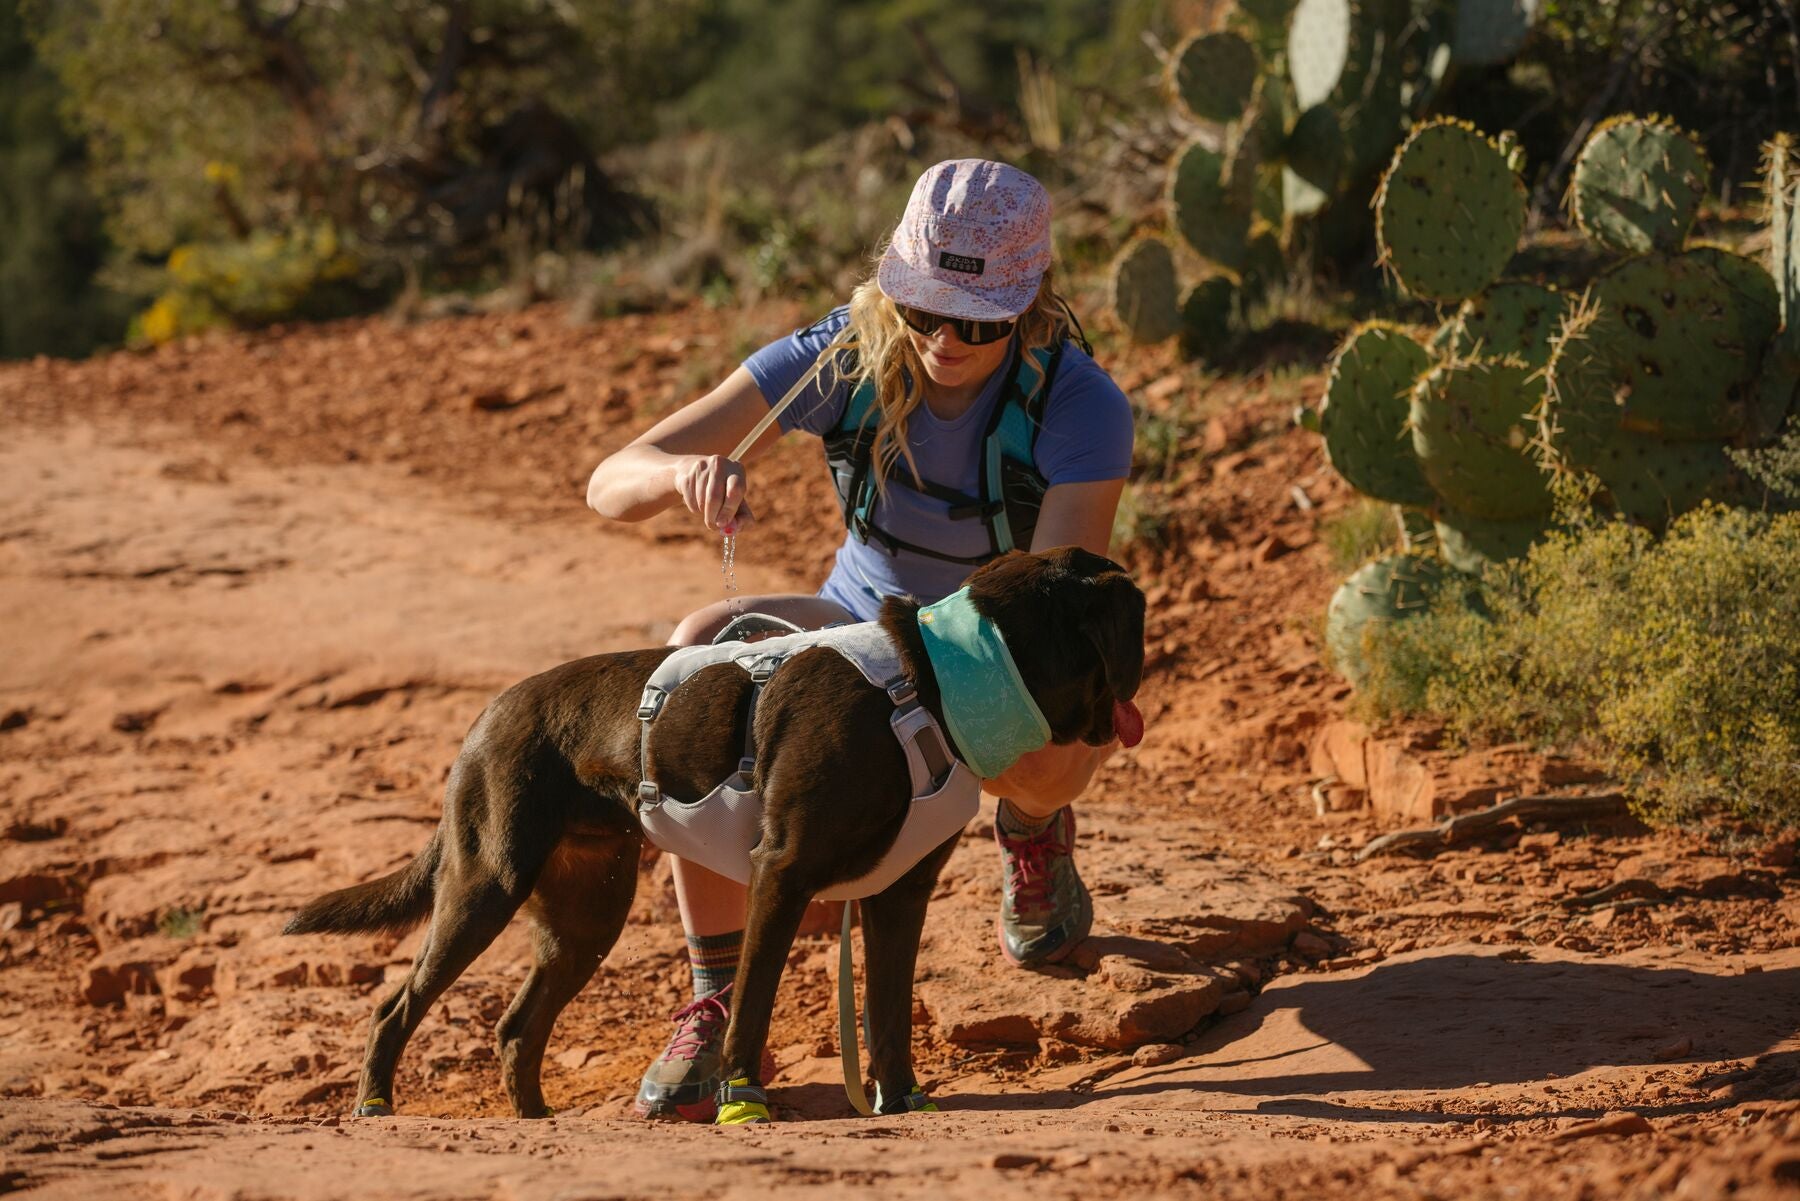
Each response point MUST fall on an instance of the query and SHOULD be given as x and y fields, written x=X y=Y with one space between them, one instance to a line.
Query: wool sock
x=1019 y=825
x=714 y=960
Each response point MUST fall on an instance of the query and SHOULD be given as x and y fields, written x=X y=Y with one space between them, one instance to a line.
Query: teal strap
x=991 y=715
x=848 y=1051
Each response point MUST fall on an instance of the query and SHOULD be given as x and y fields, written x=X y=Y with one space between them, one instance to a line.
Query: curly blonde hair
x=885 y=356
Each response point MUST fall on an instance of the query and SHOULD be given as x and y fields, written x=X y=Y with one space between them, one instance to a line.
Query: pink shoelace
x=698 y=1018
x=1029 y=878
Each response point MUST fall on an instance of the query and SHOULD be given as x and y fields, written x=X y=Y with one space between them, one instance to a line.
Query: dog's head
x=1074 y=623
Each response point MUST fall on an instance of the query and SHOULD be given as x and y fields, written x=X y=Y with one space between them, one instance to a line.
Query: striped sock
x=714 y=959
x=1020 y=825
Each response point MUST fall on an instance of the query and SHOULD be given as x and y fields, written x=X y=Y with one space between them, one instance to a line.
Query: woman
x=962 y=307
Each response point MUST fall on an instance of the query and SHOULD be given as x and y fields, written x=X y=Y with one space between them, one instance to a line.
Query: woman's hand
x=715 y=488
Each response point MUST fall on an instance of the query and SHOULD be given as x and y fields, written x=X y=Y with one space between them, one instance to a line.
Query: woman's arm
x=683 y=458
x=1044 y=781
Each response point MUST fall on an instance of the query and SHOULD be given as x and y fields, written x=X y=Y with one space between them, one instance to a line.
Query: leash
x=848 y=1051
x=781 y=405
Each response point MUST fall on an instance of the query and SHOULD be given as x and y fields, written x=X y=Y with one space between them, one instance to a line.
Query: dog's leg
x=467 y=916
x=777 y=905
x=578 y=908
x=892 y=921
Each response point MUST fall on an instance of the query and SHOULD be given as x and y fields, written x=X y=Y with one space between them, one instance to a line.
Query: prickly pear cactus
x=1511 y=319
x=1214 y=74
x=1651 y=480
x=1774 y=397
x=1449 y=211
x=1387 y=590
x=1469 y=544
x=1472 y=429
x=1363 y=417
x=1638 y=183
x=1781 y=187
x=1206 y=317
x=1211 y=215
x=1663 y=345
x=1318 y=48
x=1144 y=291
x=1315 y=154
x=1490 y=31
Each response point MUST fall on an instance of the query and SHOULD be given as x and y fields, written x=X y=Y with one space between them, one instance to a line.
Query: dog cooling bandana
x=991 y=715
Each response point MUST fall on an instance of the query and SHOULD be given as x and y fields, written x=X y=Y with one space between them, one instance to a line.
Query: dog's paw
x=741 y=1103
x=914 y=1101
x=375 y=1107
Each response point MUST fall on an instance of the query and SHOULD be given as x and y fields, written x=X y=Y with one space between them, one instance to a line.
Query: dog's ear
x=1114 y=623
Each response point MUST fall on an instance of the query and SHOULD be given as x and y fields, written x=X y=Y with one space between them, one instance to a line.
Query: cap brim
x=905 y=285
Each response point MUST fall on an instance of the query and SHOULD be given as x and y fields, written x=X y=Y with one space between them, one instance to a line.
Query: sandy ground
x=256 y=590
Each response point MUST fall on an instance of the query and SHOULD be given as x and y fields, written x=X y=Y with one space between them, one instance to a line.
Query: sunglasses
x=974 y=333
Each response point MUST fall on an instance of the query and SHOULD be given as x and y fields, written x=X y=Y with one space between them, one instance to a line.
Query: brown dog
x=539 y=812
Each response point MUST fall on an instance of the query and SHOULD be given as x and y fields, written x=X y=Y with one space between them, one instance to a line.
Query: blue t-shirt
x=1086 y=436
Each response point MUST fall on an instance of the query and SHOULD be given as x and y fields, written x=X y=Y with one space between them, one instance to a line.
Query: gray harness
x=719 y=830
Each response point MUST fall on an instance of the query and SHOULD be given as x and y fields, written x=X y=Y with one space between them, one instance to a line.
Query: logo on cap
x=961 y=262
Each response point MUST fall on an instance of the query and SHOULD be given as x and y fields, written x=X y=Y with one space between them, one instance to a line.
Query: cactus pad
x=1384 y=591
x=1449 y=211
x=1206 y=316
x=1214 y=75
x=1144 y=291
x=1507 y=320
x=1314 y=166
x=1669 y=348
x=1488 y=32
x=1782 y=190
x=1213 y=217
x=1777 y=389
x=1363 y=416
x=1472 y=430
x=1318 y=48
x=1471 y=543
x=1638 y=184
x=1651 y=481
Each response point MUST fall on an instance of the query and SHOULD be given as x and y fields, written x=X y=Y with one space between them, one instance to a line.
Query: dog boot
x=683 y=1083
x=1045 y=909
x=913 y=1100
x=741 y=1103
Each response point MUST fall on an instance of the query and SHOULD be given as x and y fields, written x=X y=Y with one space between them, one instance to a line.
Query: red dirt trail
x=256 y=588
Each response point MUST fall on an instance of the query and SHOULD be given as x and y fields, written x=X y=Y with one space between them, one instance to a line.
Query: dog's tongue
x=1128 y=723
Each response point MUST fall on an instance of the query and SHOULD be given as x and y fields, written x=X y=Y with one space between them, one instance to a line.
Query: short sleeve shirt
x=1085 y=437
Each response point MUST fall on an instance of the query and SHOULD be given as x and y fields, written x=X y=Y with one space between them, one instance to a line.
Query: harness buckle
x=747 y=767
x=900 y=690
x=763 y=669
x=651 y=704
x=648 y=793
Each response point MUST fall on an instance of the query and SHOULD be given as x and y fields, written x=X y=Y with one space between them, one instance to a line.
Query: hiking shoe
x=1045 y=909
x=682 y=1085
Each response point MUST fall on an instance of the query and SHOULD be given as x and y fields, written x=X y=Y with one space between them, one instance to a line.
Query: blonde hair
x=886 y=357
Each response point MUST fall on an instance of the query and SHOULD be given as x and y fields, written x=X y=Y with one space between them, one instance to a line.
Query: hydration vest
x=1012 y=487
x=719 y=830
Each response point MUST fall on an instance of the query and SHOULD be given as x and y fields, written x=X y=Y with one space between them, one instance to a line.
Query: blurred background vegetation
x=172 y=165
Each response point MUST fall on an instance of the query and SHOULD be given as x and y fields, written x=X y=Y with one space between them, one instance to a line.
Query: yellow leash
x=848 y=1050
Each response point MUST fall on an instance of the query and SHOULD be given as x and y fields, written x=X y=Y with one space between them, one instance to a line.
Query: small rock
x=1157 y=1054
x=1234 y=1002
x=13 y=719
x=1269 y=549
x=1311 y=945
x=1676 y=1049
x=11 y=915
x=575 y=1059
x=1540 y=842
x=1011 y=1160
x=1602 y=919
x=1401 y=946
x=134 y=721
x=1622 y=1123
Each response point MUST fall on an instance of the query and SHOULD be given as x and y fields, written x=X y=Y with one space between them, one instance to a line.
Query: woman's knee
x=807 y=612
x=699 y=626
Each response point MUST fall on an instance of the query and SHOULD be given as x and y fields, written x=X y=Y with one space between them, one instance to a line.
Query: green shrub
x=1365 y=530
x=305 y=271
x=1676 y=663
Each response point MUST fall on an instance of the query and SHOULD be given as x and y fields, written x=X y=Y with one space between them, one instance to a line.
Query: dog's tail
x=395 y=903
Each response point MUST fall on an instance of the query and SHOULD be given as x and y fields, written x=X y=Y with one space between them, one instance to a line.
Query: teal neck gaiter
x=990 y=714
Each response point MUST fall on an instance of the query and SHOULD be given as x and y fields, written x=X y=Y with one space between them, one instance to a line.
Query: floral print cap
x=974 y=242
